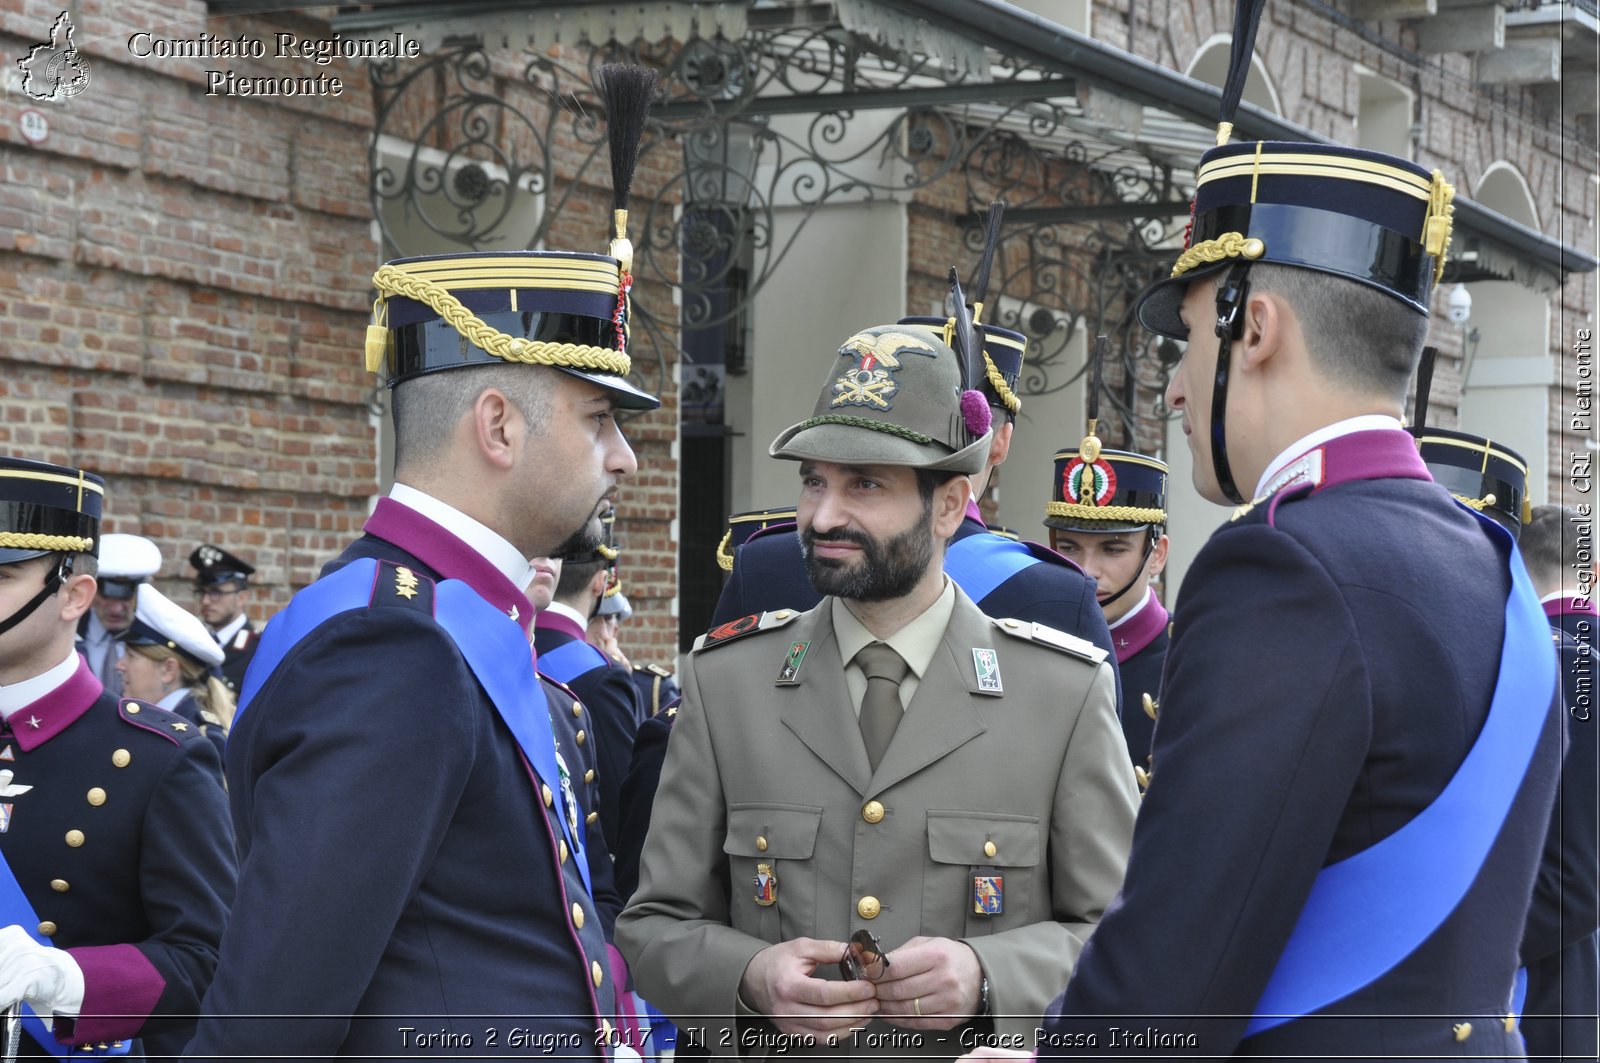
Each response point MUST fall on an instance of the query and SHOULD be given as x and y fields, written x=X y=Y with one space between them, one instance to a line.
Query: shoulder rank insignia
x=657 y=670
x=405 y=582
x=1056 y=640
x=743 y=626
x=242 y=639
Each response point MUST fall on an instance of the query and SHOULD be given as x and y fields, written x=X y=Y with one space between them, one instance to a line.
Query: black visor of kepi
x=1371 y=218
x=47 y=509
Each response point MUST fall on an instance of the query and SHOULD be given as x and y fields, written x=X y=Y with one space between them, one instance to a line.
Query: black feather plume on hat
x=969 y=354
x=627 y=92
x=1246 y=19
x=1089 y=449
x=991 y=242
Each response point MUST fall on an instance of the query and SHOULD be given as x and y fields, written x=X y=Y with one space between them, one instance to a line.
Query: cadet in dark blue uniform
x=116 y=862
x=604 y=686
x=1107 y=512
x=414 y=874
x=1350 y=786
x=1559 y=945
x=172 y=660
x=222 y=587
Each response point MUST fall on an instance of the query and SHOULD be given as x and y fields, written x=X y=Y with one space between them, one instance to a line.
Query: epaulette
x=657 y=670
x=743 y=626
x=242 y=640
x=402 y=586
x=158 y=721
x=1056 y=640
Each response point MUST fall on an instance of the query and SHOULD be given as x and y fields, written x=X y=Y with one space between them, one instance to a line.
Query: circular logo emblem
x=1088 y=484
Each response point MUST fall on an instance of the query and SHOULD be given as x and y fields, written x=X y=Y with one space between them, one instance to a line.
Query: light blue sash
x=492 y=644
x=981 y=562
x=570 y=660
x=1370 y=911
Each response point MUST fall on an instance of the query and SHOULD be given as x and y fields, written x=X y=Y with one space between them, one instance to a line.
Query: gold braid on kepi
x=55 y=544
x=1118 y=514
x=1226 y=246
x=391 y=280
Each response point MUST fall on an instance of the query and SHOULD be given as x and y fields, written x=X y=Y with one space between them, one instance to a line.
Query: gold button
x=577 y=916
x=1011 y=624
x=97 y=797
x=591 y=817
x=133 y=710
x=60 y=885
x=47 y=928
x=781 y=614
x=588 y=776
x=562 y=846
x=595 y=972
x=605 y=1028
x=1462 y=1030
x=761 y=844
x=122 y=758
x=577 y=708
x=868 y=907
x=581 y=736
x=549 y=798
x=872 y=812
x=989 y=849
x=74 y=838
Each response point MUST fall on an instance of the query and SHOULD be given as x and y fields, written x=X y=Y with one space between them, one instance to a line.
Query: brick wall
x=184 y=284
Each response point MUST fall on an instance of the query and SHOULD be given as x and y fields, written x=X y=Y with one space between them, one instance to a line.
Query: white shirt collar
x=21 y=695
x=1367 y=422
x=495 y=548
x=1149 y=593
x=230 y=629
x=568 y=612
x=173 y=699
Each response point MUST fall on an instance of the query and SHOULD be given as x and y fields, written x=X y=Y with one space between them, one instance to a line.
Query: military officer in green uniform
x=890 y=778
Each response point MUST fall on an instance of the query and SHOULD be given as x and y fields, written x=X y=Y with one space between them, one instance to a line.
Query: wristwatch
x=983 y=996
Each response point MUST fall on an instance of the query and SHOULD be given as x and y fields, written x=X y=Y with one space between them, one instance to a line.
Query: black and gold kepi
x=743 y=525
x=1373 y=219
x=1105 y=492
x=1490 y=477
x=566 y=310
x=48 y=509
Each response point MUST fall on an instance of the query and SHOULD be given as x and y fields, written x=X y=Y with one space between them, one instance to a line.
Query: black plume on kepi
x=627 y=91
x=991 y=242
x=1246 y=20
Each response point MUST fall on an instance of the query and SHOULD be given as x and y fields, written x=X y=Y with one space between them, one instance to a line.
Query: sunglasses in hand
x=863 y=958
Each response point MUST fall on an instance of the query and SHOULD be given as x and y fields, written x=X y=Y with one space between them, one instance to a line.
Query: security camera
x=1459 y=306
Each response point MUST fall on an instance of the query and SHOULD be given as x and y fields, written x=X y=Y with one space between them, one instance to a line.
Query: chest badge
x=766 y=886
x=791 y=664
x=987 y=665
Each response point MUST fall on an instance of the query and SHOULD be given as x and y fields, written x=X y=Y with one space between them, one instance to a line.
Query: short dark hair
x=1357 y=335
x=1553 y=544
x=575 y=576
x=930 y=480
x=428 y=408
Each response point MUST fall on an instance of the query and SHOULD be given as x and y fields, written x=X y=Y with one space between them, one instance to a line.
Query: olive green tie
x=880 y=706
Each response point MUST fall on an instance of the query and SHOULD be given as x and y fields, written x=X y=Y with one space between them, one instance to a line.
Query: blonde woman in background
x=172 y=662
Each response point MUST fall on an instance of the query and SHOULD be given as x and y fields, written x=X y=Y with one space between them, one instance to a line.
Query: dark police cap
x=1372 y=218
x=1487 y=476
x=213 y=565
x=1106 y=491
x=47 y=509
x=743 y=525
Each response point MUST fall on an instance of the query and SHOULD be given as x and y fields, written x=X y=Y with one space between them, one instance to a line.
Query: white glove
x=49 y=980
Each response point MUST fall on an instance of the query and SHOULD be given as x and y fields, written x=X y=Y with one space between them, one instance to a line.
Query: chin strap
x=1149 y=546
x=1230 y=326
x=59 y=575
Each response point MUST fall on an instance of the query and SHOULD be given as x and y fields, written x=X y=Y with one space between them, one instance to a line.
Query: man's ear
x=1000 y=445
x=598 y=583
x=497 y=427
x=950 y=505
x=1267 y=320
x=77 y=596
